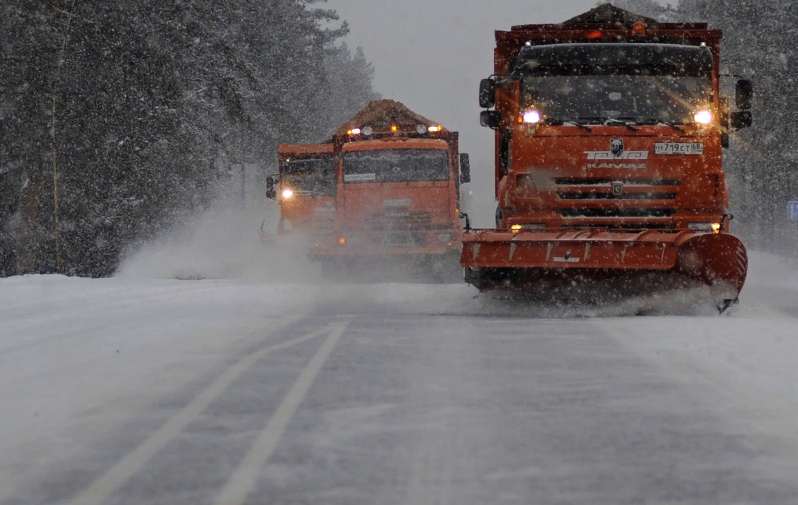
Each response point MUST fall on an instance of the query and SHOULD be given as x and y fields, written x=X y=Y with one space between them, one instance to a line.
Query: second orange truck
x=392 y=184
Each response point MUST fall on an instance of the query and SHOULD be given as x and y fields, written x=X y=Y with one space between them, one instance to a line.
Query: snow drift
x=222 y=243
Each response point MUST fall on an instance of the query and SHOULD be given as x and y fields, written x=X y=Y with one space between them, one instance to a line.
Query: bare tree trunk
x=37 y=157
x=35 y=149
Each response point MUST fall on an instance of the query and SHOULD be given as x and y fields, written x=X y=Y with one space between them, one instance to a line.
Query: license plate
x=678 y=148
x=359 y=177
x=396 y=203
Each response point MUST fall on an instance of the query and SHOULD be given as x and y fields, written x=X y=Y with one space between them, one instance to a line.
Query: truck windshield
x=592 y=83
x=597 y=98
x=315 y=177
x=396 y=165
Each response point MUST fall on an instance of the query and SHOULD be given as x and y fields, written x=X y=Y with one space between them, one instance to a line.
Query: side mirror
x=487 y=93
x=271 y=192
x=740 y=120
x=744 y=95
x=465 y=169
x=463 y=215
x=490 y=118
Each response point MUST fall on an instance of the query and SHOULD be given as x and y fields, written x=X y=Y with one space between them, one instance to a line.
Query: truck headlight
x=287 y=193
x=703 y=117
x=706 y=227
x=531 y=117
x=528 y=226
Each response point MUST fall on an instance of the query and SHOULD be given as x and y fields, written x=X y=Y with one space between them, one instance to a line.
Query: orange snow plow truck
x=398 y=179
x=608 y=153
x=305 y=190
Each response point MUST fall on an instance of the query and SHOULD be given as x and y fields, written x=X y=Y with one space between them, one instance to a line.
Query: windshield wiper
x=655 y=121
x=590 y=119
x=618 y=122
x=607 y=121
x=560 y=122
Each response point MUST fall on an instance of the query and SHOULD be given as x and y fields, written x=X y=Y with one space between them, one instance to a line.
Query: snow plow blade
x=628 y=263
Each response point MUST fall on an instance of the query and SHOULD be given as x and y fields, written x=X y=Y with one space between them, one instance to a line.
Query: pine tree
x=152 y=103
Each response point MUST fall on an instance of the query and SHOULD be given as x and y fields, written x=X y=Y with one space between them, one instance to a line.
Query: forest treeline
x=760 y=42
x=119 y=119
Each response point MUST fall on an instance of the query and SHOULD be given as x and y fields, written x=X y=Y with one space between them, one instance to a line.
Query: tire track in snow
x=246 y=476
x=110 y=482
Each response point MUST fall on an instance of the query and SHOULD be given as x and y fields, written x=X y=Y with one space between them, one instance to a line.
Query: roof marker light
x=434 y=128
x=393 y=128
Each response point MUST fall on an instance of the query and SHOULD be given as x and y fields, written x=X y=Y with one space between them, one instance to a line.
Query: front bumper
x=388 y=243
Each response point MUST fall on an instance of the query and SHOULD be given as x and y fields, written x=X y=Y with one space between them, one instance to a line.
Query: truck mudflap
x=635 y=262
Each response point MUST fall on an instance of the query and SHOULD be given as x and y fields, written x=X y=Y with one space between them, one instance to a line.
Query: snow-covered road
x=130 y=391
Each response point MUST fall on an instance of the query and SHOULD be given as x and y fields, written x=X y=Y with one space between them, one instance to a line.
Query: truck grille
x=403 y=220
x=592 y=195
x=615 y=213
x=584 y=181
x=621 y=226
x=634 y=200
x=408 y=239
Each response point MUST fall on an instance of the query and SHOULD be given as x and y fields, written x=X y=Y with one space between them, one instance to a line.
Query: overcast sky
x=431 y=54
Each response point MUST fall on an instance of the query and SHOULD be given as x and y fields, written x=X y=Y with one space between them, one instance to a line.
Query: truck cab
x=398 y=181
x=398 y=196
x=305 y=189
x=598 y=134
